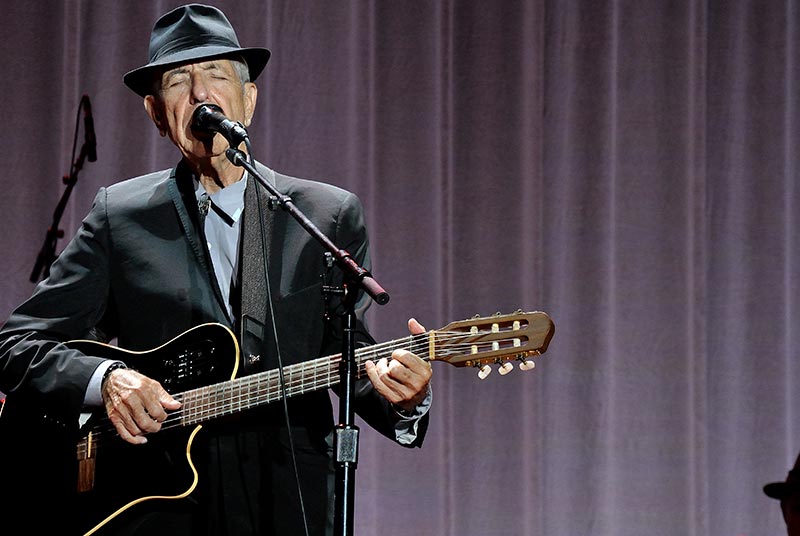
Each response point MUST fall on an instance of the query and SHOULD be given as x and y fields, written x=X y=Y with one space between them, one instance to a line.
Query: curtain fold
x=627 y=167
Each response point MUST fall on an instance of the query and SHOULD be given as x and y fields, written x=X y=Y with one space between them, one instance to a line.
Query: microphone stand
x=47 y=254
x=355 y=276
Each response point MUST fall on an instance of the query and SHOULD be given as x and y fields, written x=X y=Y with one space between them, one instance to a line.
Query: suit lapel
x=181 y=190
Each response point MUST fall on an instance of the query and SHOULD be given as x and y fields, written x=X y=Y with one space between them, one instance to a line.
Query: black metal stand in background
x=88 y=150
x=355 y=277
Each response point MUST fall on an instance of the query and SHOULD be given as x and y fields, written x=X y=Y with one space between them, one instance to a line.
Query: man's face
x=186 y=87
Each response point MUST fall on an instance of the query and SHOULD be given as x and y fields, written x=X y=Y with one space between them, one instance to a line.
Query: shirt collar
x=229 y=200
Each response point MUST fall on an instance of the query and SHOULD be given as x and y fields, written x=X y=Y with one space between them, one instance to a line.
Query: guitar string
x=257 y=389
x=265 y=389
x=253 y=389
x=326 y=365
x=320 y=367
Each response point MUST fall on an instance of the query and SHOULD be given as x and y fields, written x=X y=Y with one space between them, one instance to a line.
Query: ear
x=250 y=98
x=154 y=110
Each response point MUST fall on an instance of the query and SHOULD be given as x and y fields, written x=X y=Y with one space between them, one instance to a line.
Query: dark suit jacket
x=138 y=271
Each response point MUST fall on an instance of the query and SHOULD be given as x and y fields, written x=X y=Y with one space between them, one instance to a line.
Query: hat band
x=179 y=45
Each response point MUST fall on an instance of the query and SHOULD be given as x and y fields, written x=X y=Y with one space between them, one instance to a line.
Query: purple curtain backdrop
x=626 y=166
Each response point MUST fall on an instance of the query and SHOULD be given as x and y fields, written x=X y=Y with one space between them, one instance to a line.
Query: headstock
x=497 y=339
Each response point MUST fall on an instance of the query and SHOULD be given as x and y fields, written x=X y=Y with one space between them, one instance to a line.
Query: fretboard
x=240 y=394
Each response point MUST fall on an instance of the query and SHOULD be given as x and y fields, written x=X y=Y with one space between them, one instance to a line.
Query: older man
x=163 y=253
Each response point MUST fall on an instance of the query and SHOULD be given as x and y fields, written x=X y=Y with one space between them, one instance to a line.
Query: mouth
x=202 y=121
x=203 y=136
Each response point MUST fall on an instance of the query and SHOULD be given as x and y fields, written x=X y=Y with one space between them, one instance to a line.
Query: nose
x=199 y=90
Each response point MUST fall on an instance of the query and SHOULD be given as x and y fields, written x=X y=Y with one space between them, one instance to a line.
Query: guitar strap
x=252 y=319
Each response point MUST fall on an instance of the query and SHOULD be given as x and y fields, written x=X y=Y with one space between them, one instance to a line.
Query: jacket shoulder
x=142 y=188
x=313 y=191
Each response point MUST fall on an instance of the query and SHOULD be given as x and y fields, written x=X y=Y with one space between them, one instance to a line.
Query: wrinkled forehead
x=224 y=65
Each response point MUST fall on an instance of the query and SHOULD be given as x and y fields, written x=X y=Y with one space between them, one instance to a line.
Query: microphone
x=88 y=128
x=208 y=119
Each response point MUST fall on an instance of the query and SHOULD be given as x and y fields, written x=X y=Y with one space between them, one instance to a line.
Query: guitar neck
x=234 y=396
x=467 y=343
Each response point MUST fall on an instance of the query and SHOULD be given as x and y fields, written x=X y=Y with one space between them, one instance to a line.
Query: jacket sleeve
x=35 y=364
x=369 y=405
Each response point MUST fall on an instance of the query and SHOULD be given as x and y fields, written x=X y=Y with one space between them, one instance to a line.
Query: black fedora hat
x=190 y=33
x=781 y=490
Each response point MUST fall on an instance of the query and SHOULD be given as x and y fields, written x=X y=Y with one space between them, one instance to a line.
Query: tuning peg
x=484 y=371
x=505 y=368
x=527 y=364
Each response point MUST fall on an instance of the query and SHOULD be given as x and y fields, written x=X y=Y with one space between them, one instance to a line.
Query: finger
x=125 y=426
x=167 y=401
x=162 y=400
x=412 y=361
x=409 y=384
x=402 y=395
x=127 y=436
x=142 y=406
x=372 y=372
x=131 y=404
x=415 y=327
x=146 y=423
x=377 y=377
x=376 y=371
x=408 y=389
x=399 y=373
x=154 y=411
x=404 y=385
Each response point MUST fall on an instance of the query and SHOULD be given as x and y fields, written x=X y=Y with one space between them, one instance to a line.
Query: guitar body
x=123 y=477
x=132 y=479
x=37 y=468
x=127 y=476
x=206 y=354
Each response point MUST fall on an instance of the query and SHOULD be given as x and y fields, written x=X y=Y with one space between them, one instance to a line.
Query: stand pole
x=346 y=443
x=47 y=254
x=355 y=278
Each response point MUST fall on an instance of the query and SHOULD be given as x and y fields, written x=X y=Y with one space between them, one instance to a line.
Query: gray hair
x=241 y=68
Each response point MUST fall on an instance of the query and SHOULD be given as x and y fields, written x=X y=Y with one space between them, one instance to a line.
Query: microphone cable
x=271 y=313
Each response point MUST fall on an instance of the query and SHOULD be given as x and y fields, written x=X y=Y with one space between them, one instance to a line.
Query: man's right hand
x=136 y=405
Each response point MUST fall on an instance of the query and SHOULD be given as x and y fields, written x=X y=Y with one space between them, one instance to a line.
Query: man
x=163 y=253
x=788 y=493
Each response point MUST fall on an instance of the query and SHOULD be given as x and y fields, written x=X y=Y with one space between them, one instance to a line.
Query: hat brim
x=781 y=490
x=141 y=80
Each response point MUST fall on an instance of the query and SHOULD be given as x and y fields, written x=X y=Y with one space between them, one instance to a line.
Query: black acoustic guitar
x=199 y=368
